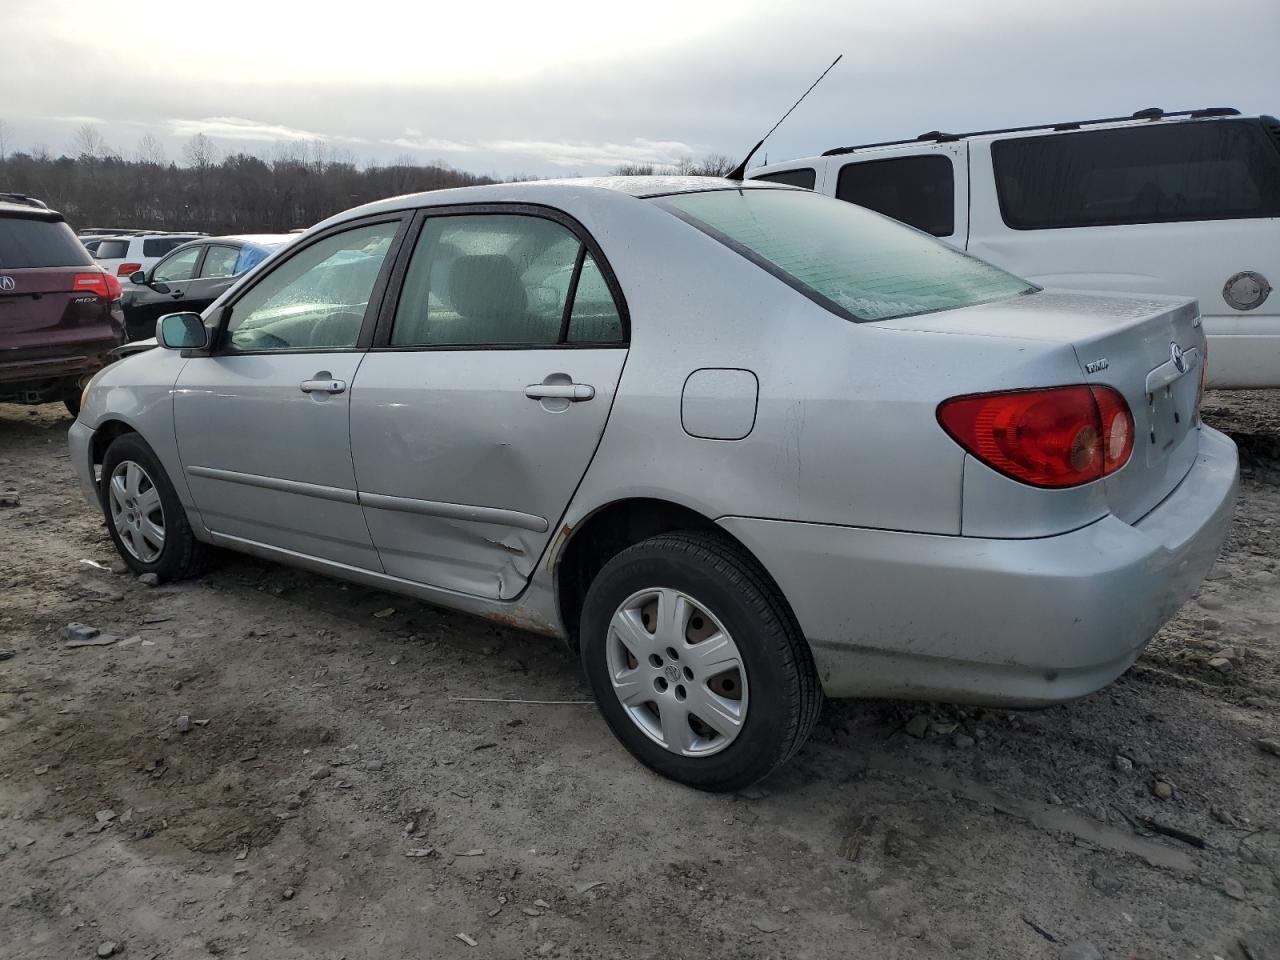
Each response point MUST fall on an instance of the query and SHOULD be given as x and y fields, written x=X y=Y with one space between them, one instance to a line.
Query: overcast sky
x=556 y=88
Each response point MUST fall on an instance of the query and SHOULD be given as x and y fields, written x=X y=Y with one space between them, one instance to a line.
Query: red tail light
x=1056 y=437
x=100 y=282
x=128 y=269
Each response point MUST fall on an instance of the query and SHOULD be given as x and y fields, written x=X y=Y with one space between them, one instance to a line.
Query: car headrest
x=486 y=287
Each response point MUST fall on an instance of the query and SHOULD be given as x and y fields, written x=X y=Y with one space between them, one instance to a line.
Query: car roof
x=28 y=212
x=1137 y=118
x=259 y=239
x=552 y=193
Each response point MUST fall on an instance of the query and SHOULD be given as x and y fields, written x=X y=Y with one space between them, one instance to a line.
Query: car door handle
x=323 y=386
x=176 y=294
x=575 y=392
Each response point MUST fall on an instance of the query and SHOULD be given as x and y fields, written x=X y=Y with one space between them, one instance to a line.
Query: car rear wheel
x=148 y=524
x=696 y=661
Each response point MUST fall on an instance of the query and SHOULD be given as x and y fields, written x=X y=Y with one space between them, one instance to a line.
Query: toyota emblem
x=7 y=283
x=1179 y=360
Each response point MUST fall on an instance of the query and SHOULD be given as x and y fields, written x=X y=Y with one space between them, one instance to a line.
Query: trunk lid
x=1126 y=343
x=39 y=307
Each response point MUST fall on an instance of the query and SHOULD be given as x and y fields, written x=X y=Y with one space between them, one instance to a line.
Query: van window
x=803 y=177
x=112 y=250
x=856 y=264
x=919 y=191
x=1212 y=170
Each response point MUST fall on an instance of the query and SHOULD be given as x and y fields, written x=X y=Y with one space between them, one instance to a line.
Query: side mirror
x=138 y=277
x=182 y=331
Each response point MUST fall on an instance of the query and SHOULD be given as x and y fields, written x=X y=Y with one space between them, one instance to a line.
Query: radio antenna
x=740 y=170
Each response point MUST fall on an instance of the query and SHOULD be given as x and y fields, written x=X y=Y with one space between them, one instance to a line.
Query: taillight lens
x=1055 y=437
x=128 y=269
x=100 y=282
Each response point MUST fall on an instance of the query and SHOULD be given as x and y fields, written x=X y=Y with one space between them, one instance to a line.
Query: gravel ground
x=330 y=798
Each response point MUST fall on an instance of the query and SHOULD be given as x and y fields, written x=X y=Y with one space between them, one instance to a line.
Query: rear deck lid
x=1150 y=349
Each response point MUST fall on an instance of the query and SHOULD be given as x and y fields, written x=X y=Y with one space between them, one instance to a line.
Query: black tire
x=72 y=402
x=785 y=694
x=182 y=555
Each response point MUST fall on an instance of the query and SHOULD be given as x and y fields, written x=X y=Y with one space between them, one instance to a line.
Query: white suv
x=1178 y=203
x=125 y=255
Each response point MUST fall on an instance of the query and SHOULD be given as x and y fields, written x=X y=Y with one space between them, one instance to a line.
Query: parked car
x=725 y=461
x=191 y=277
x=126 y=255
x=1172 y=203
x=59 y=311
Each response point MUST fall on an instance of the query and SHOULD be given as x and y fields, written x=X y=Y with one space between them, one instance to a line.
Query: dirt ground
x=331 y=799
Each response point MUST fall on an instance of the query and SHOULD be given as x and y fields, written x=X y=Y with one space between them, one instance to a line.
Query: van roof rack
x=938 y=136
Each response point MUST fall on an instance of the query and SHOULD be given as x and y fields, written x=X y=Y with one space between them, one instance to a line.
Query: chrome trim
x=455 y=511
x=316 y=490
x=1169 y=371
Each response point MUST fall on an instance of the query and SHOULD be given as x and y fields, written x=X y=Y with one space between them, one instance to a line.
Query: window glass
x=315 y=300
x=220 y=261
x=485 y=280
x=859 y=265
x=28 y=242
x=919 y=191
x=1213 y=170
x=112 y=250
x=595 y=316
x=179 y=266
x=159 y=246
x=803 y=177
x=250 y=257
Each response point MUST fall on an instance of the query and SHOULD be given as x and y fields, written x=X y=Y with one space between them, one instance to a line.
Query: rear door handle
x=575 y=392
x=323 y=386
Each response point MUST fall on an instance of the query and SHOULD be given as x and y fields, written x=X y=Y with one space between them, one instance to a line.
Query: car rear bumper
x=1002 y=622
x=66 y=361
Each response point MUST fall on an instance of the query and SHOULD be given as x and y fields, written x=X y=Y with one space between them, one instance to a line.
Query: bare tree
x=4 y=140
x=88 y=143
x=151 y=151
x=200 y=152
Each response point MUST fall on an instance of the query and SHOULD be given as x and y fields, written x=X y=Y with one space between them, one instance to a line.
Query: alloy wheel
x=677 y=672
x=136 y=511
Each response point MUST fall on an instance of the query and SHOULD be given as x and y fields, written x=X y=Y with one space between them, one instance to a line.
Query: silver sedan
x=738 y=444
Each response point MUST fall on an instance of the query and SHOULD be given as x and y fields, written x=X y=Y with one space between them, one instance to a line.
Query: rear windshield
x=858 y=264
x=39 y=243
x=1214 y=170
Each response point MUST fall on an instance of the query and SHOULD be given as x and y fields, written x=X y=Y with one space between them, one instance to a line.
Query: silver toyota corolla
x=739 y=444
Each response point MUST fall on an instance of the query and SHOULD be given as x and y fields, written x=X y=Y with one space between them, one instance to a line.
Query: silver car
x=739 y=444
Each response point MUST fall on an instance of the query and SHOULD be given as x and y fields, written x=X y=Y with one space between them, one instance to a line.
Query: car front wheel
x=696 y=661
x=147 y=522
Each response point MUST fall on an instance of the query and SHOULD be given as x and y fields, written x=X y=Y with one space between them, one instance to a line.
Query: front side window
x=919 y=191
x=1211 y=170
x=502 y=280
x=803 y=177
x=178 y=266
x=220 y=261
x=315 y=300
x=856 y=263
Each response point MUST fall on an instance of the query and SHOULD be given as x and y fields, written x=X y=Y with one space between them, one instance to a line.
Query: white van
x=1181 y=203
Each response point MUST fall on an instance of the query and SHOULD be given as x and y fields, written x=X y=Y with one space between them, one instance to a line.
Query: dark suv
x=60 y=313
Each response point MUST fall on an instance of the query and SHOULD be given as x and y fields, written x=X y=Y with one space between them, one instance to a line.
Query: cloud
x=238 y=128
x=81 y=119
x=560 y=153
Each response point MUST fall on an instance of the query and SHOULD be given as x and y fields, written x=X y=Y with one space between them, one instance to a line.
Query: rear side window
x=502 y=280
x=918 y=191
x=39 y=243
x=856 y=264
x=1215 y=170
x=802 y=177
x=112 y=250
x=220 y=261
x=159 y=246
x=250 y=257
